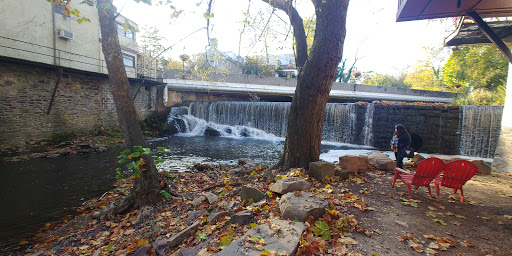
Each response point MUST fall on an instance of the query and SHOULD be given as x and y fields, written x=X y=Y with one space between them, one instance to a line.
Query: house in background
x=39 y=31
x=227 y=61
x=286 y=63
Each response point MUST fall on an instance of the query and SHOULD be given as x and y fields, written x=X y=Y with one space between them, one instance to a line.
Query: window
x=129 y=60
x=126 y=33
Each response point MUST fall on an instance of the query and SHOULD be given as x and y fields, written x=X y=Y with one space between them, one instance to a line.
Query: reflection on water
x=37 y=191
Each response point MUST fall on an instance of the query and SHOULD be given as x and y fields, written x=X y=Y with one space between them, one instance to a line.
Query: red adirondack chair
x=455 y=175
x=426 y=171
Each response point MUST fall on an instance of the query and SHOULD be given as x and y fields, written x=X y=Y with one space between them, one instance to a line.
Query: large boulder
x=301 y=205
x=483 y=167
x=445 y=158
x=280 y=235
x=249 y=193
x=320 y=169
x=212 y=198
x=416 y=159
x=209 y=131
x=353 y=163
x=381 y=161
x=288 y=184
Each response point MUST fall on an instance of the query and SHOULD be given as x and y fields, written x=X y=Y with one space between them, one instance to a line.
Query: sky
x=380 y=44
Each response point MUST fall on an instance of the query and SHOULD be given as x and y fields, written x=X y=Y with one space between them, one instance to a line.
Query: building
x=225 y=61
x=53 y=76
x=39 y=31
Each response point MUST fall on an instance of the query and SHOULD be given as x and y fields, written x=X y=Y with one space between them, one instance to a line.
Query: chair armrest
x=402 y=171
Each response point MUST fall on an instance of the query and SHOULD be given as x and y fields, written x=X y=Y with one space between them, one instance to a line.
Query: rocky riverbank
x=224 y=210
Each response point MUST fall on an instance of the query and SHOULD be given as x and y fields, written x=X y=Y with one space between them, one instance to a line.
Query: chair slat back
x=456 y=173
x=427 y=170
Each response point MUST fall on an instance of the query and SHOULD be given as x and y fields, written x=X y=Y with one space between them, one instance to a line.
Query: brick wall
x=82 y=103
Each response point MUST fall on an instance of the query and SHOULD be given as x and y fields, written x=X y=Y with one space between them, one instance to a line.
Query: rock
x=301 y=206
x=160 y=243
x=280 y=236
x=245 y=133
x=483 y=167
x=97 y=253
x=191 y=251
x=353 y=164
x=235 y=171
x=381 y=161
x=181 y=236
x=209 y=131
x=249 y=193
x=445 y=158
x=320 y=169
x=144 y=213
x=242 y=218
x=242 y=161
x=343 y=174
x=416 y=159
x=216 y=216
x=192 y=216
x=142 y=251
x=288 y=184
x=231 y=205
x=39 y=253
x=198 y=201
x=401 y=223
x=212 y=198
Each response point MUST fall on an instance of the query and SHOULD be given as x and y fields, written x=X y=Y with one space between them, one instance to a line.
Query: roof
x=433 y=9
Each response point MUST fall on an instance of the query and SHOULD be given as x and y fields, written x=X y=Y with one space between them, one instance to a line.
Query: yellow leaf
x=23 y=242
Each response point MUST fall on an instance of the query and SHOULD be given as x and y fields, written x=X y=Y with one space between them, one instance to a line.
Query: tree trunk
x=314 y=81
x=146 y=189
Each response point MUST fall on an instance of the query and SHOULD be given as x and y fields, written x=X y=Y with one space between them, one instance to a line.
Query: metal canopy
x=470 y=33
x=433 y=9
x=476 y=9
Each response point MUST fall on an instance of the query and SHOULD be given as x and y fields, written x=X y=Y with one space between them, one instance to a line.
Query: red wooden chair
x=426 y=171
x=455 y=175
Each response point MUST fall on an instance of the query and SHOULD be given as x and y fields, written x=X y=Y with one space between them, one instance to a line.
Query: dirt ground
x=366 y=217
x=482 y=225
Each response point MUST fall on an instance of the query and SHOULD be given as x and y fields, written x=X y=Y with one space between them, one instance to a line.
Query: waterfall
x=269 y=118
x=479 y=130
x=473 y=133
x=339 y=123
x=368 y=125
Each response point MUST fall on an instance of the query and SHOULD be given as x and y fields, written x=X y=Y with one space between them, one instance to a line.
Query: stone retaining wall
x=437 y=124
x=82 y=103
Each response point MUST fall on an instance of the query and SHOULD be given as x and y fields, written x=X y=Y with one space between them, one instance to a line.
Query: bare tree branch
x=298 y=29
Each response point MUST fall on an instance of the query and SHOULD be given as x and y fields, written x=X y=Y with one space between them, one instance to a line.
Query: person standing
x=400 y=141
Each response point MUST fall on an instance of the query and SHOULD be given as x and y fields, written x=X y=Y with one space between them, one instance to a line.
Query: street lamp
x=184 y=57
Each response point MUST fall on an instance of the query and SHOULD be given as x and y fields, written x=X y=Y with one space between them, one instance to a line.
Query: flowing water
x=479 y=129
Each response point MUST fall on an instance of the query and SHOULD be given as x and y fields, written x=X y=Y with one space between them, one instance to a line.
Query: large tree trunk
x=146 y=189
x=314 y=81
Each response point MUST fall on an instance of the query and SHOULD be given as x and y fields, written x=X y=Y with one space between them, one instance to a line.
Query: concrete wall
x=503 y=158
x=82 y=102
